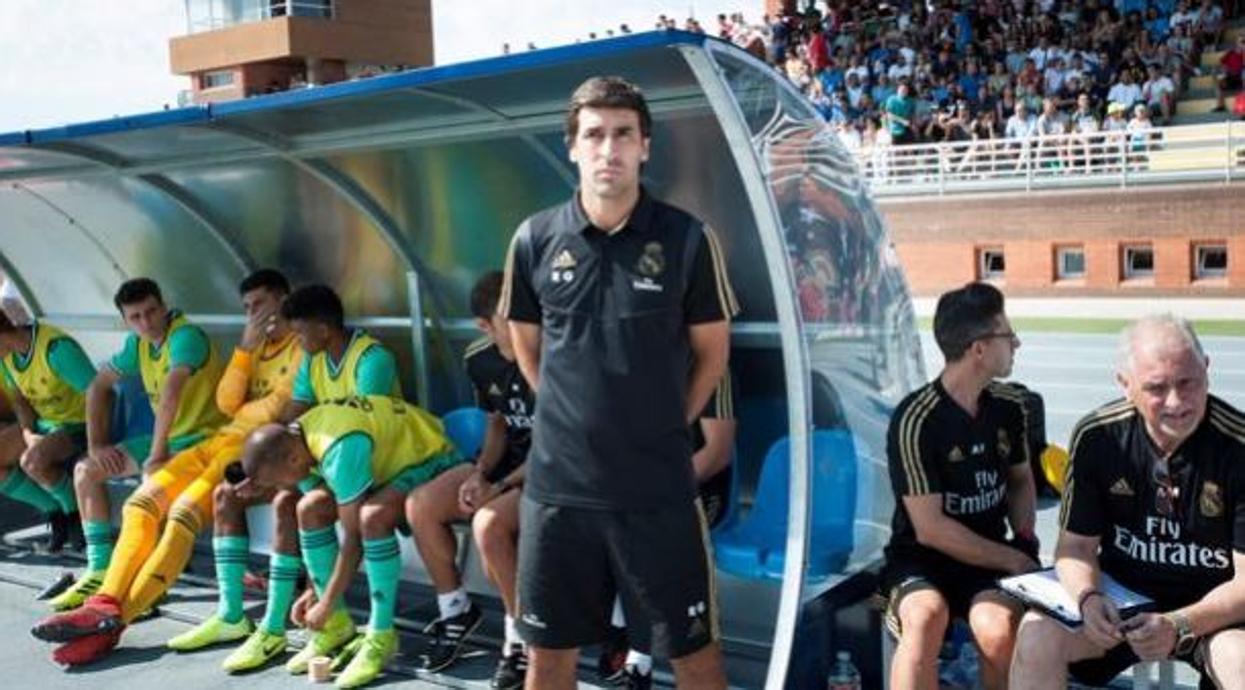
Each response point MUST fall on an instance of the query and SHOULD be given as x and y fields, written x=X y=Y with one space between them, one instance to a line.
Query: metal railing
x=209 y=15
x=1214 y=152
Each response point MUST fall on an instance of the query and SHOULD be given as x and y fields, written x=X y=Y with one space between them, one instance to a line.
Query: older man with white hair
x=1155 y=498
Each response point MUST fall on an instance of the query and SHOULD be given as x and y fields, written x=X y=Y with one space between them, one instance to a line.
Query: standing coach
x=610 y=295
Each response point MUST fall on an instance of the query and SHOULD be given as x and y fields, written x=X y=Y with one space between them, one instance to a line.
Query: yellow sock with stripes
x=140 y=519
x=167 y=562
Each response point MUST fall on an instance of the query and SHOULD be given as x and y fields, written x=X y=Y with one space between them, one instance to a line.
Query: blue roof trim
x=160 y=118
x=486 y=67
x=424 y=76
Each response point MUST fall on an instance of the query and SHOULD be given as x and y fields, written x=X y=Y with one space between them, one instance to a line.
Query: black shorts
x=1119 y=658
x=959 y=585
x=573 y=561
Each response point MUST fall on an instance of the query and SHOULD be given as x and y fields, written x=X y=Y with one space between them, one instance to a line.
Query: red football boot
x=100 y=614
x=84 y=650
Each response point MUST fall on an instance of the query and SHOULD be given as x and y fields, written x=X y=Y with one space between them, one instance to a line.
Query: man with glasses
x=1155 y=498
x=958 y=452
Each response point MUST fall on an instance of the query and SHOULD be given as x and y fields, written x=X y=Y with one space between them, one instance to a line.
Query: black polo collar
x=640 y=217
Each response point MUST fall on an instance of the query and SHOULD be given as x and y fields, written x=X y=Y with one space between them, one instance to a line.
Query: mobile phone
x=1131 y=624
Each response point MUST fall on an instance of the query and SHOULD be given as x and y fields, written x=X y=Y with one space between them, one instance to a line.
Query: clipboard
x=1042 y=590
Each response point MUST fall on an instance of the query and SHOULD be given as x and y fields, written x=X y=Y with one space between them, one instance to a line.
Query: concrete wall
x=939 y=239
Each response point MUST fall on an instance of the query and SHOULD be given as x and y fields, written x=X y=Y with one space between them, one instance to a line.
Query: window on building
x=990 y=263
x=1138 y=261
x=1070 y=262
x=1210 y=260
x=216 y=79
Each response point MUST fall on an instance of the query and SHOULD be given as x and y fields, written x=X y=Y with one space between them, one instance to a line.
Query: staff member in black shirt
x=610 y=296
x=959 y=465
x=1155 y=498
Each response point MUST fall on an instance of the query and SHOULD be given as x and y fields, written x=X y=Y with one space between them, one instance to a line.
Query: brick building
x=1181 y=239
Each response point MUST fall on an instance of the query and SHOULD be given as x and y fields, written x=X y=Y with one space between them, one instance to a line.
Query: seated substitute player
x=147 y=560
x=338 y=362
x=713 y=445
x=1155 y=498
x=456 y=495
x=959 y=466
x=368 y=454
x=46 y=375
x=179 y=368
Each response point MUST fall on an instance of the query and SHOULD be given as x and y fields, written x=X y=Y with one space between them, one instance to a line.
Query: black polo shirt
x=614 y=310
x=1111 y=493
x=501 y=388
x=933 y=446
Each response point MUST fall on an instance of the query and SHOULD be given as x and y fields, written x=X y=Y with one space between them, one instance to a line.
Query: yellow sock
x=167 y=561
x=140 y=518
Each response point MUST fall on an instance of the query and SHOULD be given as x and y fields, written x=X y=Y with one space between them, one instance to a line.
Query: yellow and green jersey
x=367 y=367
x=52 y=376
x=361 y=442
x=185 y=345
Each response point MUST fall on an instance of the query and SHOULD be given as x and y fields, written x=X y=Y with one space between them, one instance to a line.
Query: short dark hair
x=964 y=316
x=269 y=278
x=136 y=290
x=314 y=303
x=485 y=295
x=607 y=92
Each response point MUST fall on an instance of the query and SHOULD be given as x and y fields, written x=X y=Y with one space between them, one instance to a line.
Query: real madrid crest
x=1005 y=444
x=652 y=262
x=1211 y=500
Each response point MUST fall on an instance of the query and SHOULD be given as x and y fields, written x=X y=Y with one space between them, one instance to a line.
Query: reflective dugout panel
x=400 y=191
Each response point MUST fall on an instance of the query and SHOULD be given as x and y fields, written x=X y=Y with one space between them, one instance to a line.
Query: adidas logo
x=493 y=389
x=564 y=260
x=1121 y=488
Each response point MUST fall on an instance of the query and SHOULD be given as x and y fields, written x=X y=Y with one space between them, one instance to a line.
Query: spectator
x=855 y=89
x=1115 y=122
x=1230 y=68
x=900 y=114
x=1159 y=94
x=1050 y=128
x=1209 y=22
x=1125 y=92
x=1086 y=140
x=883 y=89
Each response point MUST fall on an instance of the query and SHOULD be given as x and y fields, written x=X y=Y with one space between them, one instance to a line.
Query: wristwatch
x=1185 y=639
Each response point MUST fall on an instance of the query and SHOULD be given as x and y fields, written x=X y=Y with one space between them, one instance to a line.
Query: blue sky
x=74 y=60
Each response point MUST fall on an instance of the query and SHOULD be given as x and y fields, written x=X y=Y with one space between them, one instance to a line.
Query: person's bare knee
x=551 y=669
x=377 y=520
x=994 y=627
x=316 y=510
x=702 y=669
x=87 y=475
x=486 y=528
x=923 y=618
x=1226 y=652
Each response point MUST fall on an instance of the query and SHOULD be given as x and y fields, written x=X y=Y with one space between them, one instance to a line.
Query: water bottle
x=844 y=675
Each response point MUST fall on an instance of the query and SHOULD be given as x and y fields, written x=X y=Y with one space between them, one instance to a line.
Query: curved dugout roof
x=400 y=190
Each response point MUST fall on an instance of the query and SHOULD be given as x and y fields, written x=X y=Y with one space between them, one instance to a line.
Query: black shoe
x=61 y=527
x=62 y=583
x=613 y=654
x=76 y=540
x=511 y=670
x=632 y=679
x=448 y=636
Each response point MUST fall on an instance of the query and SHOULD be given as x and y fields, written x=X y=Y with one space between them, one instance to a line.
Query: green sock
x=282 y=578
x=98 y=535
x=231 y=555
x=319 y=554
x=382 y=564
x=18 y=486
x=63 y=492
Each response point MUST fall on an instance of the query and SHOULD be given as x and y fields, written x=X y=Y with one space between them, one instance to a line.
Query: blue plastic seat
x=131 y=410
x=465 y=427
x=754 y=547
